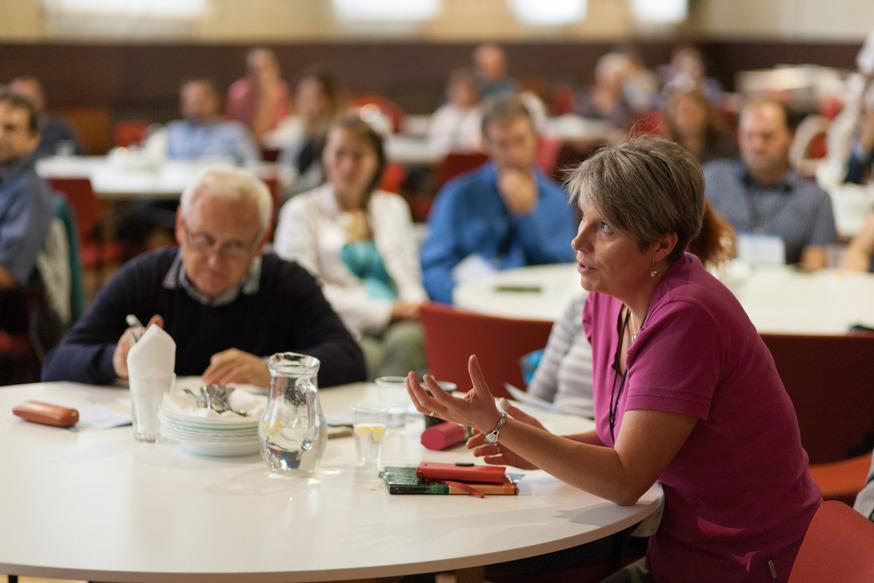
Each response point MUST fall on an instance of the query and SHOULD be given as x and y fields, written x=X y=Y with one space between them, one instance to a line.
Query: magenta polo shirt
x=738 y=495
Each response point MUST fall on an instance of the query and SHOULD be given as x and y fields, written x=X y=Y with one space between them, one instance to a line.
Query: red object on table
x=443 y=435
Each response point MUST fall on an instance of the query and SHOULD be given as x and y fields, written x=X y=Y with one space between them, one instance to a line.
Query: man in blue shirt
x=57 y=137
x=505 y=214
x=26 y=208
x=203 y=133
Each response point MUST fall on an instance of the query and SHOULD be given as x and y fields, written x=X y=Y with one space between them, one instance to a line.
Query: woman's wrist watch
x=492 y=436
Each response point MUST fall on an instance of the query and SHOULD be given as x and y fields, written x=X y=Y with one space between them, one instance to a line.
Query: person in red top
x=260 y=99
x=685 y=392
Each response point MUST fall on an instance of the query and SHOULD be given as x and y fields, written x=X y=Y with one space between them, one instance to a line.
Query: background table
x=98 y=505
x=113 y=181
x=777 y=299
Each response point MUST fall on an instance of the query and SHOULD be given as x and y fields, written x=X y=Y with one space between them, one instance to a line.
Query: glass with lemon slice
x=369 y=429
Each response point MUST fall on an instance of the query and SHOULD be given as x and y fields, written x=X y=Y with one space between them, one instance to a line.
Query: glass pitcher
x=292 y=431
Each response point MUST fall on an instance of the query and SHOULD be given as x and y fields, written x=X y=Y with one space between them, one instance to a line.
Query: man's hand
x=518 y=190
x=236 y=366
x=123 y=346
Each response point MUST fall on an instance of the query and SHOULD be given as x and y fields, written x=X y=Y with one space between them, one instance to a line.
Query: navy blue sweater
x=288 y=313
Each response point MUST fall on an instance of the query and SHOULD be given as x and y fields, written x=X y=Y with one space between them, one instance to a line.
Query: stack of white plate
x=204 y=432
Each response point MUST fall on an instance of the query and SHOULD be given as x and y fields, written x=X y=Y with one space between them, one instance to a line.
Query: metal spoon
x=197 y=399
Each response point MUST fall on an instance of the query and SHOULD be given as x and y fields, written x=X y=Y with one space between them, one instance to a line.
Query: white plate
x=220 y=449
x=181 y=434
x=187 y=424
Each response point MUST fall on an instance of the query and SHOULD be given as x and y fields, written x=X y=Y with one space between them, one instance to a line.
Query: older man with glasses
x=226 y=305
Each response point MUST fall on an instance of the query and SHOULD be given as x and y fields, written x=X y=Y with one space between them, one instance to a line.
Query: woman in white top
x=456 y=124
x=360 y=243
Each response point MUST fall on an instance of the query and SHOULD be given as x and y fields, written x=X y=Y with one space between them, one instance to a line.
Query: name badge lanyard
x=757 y=221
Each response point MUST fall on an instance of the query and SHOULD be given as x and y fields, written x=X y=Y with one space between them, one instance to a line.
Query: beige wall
x=836 y=20
x=248 y=21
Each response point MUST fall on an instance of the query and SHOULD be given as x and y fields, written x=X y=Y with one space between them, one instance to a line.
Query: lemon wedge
x=376 y=431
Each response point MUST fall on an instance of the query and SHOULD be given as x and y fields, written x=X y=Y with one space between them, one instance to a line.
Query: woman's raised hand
x=476 y=408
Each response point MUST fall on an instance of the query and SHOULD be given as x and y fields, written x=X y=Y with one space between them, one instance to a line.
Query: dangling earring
x=653 y=271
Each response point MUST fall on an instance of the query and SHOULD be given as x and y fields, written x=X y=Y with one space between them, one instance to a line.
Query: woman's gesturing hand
x=476 y=408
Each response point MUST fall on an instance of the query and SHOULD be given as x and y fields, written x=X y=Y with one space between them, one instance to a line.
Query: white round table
x=777 y=299
x=97 y=505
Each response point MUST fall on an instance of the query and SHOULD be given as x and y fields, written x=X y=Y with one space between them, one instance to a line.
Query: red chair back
x=452 y=335
x=455 y=163
x=83 y=202
x=829 y=379
x=837 y=547
x=130 y=133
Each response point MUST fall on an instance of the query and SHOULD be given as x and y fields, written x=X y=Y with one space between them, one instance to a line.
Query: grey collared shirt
x=796 y=210
x=176 y=278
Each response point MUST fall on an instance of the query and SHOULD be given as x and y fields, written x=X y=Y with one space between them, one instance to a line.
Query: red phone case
x=46 y=413
x=443 y=471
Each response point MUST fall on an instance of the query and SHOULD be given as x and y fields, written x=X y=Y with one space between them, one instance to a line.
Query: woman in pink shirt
x=685 y=391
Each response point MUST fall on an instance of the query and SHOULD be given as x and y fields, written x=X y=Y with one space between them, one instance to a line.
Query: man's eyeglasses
x=204 y=243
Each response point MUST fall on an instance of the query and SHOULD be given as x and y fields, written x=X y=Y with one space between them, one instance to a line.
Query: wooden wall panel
x=135 y=81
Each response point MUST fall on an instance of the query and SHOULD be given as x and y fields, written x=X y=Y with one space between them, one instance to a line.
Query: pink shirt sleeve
x=676 y=362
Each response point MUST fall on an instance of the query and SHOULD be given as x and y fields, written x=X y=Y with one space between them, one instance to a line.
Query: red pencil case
x=461 y=472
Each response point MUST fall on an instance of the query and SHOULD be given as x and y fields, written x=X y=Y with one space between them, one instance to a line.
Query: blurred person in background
x=490 y=72
x=687 y=68
x=26 y=208
x=359 y=242
x=260 y=99
x=861 y=158
x=202 y=133
x=317 y=103
x=57 y=136
x=456 y=124
x=504 y=214
x=691 y=122
x=605 y=99
x=773 y=209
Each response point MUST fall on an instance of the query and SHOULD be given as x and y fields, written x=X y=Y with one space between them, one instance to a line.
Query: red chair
x=452 y=335
x=455 y=163
x=94 y=250
x=386 y=106
x=130 y=132
x=548 y=155
x=393 y=177
x=829 y=381
x=275 y=189
x=837 y=547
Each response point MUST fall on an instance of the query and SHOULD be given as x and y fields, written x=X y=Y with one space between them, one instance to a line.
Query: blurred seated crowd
x=354 y=233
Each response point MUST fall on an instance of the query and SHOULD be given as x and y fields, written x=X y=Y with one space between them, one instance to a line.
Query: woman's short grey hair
x=648 y=187
x=232 y=183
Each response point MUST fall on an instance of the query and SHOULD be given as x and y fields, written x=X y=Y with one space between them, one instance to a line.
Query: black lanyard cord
x=621 y=325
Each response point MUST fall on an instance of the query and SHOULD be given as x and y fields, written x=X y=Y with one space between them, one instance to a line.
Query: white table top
x=113 y=180
x=777 y=299
x=413 y=150
x=99 y=505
